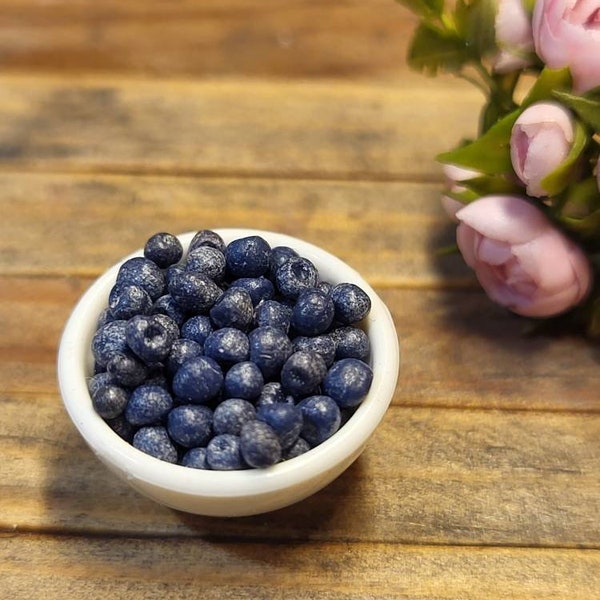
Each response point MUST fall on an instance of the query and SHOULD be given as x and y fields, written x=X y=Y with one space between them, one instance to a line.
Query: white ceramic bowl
x=229 y=493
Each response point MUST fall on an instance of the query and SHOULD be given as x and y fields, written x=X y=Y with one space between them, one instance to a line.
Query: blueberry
x=168 y=323
x=172 y=272
x=322 y=418
x=325 y=287
x=207 y=260
x=248 y=257
x=155 y=441
x=125 y=301
x=197 y=328
x=207 y=237
x=272 y=393
x=122 y=427
x=259 y=445
x=104 y=318
x=166 y=305
x=157 y=376
x=144 y=273
x=296 y=275
x=109 y=401
x=279 y=255
x=194 y=292
x=147 y=405
x=321 y=344
x=302 y=373
x=230 y=415
x=182 y=350
x=313 y=312
x=351 y=342
x=243 y=380
x=150 y=337
x=233 y=309
x=348 y=382
x=259 y=288
x=109 y=340
x=269 y=349
x=352 y=304
x=164 y=249
x=223 y=453
x=301 y=446
x=127 y=370
x=227 y=345
x=273 y=314
x=198 y=380
x=285 y=419
x=195 y=458
x=190 y=425
x=99 y=380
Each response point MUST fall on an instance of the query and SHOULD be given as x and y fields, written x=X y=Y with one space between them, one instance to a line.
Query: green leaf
x=424 y=8
x=433 y=50
x=492 y=184
x=560 y=178
x=490 y=153
x=580 y=210
x=547 y=84
x=587 y=108
x=480 y=27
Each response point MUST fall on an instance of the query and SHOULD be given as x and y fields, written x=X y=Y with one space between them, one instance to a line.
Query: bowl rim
x=74 y=366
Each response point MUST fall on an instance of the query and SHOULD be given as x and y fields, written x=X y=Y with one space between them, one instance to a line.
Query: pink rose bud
x=454 y=175
x=513 y=37
x=521 y=260
x=540 y=140
x=566 y=33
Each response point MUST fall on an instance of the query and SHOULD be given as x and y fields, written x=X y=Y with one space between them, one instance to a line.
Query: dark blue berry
x=197 y=328
x=207 y=237
x=150 y=337
x=272 y=393
x=182 y=350
x=104 y=318
x=248 y=257
x=223 y=453
x=148 y=404
x=172 y=273
x=259 y=288
x=269 y=349
x=207 y=260
x=227 y=345
x=233 y=309
x=155 y=441
x=164 y=249
x=280 y=254
x=127 y=370
x=285 y=419
x=166 y=305
x=301 y=446
x=168 y=323
x=190 y=425
x=110 y=401
x=144 y=273
x=259 y=445
x=348 y=382
x=325 y=287
x=99 y=380
x=230 y=415
x=198 y=380
x=109 y=340
x=312 y=313
x=195 y=458
x=322 y=418
x=352 y=304
x=302 y=373
x=351 y=342
x=321 y=344
x=157 y=376
x=272 y=313
x=296 y=275
x=126 y=301
x=194 y=292
x=243 y=380
x=122 y=427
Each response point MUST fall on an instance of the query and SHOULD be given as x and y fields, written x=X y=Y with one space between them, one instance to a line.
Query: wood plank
x=298 y=38
x=119 y=568
x=458 y=349
x=324 y=129
x=427 y=476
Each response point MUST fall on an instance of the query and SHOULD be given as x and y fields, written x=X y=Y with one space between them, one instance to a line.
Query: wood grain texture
x=296 y=38
x=130 y=568
x=286 y=129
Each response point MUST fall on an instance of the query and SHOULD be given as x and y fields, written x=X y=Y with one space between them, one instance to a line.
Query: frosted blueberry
x=233 y=309
x=259 y=445
x=269 y=349
x=109 y=401
x=321 y=344
x=157 y=376
x=122 y=427
x=248 y=257
x=164 y=249
x=127 y=370
x=207 y=260
x=194 y=292
x=300 y=447
x=195 y=458
x=351 y=342
x=352 y=304
x=223 y=453
x=348 y=382
x=296 y=275
x=272 y=393
x=147 y=405
x=207 y=237
x=198 y=380
x=125 y=301
x=155 y=441
x=243 y=380
x=172 y=272
x=230 y=415
x=190 y=425
x=279 y=254
x=109 y=340
x=197 y=328
x=272 y=313
x=150 y=337
x=144 y=273
x=285 y=419
x=312 y=313
x=166 y=305
x=322 y=418
x=169 y=324
x=99 y=380
x=302 y=373
x=227 y=345
x=259 y=288
x=181 y=350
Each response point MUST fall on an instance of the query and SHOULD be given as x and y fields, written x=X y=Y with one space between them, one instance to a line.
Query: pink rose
x=521 y=260
x=513 y=37
x=454 y=175
x=566 y=33
x=541 y=139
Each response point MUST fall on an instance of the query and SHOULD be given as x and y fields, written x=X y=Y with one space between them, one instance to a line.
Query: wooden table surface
x=119 y=119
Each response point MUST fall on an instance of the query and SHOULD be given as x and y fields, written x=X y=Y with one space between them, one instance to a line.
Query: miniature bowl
x=229 y=493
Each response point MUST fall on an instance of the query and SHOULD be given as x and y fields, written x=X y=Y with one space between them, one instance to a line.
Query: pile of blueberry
x=232 y=356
